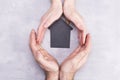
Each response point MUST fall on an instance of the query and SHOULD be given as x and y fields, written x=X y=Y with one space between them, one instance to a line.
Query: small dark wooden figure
x=60 y=33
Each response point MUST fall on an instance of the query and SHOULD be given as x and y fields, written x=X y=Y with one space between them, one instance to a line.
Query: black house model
x=60 y=33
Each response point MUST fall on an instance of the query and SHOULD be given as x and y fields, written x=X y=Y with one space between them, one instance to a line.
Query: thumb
x=87 y=43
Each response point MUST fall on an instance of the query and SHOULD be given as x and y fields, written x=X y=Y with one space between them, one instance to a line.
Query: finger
x=78 y=21
x=75 y=52
x=81 y=28
x=88 y=43
x=33 y=38
x=40 y=34
x=51 y=20
x=83 y=36
x=79 y=38
x=33 y=41
x=41 y=28
x=45 y=17
x=85 y=49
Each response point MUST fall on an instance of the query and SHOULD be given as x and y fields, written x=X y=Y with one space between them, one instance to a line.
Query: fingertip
x=33 y=32
x=33 y=37
x=88 y=36
x=88 y=40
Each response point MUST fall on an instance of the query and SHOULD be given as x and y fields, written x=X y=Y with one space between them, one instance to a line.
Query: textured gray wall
x=18 y=17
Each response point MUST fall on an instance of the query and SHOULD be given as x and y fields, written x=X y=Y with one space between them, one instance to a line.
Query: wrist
x=52 y=75
x=66 y=75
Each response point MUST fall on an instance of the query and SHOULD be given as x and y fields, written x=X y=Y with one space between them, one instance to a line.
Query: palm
x=72 y=15
x=46 y=61
x=48 y=18
x=77 y=59
x=51 y=15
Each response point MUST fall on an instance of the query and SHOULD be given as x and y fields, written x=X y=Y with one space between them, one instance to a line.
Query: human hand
x=75 y=60
x=47 y=62
x=53 y=14
x=72 y=15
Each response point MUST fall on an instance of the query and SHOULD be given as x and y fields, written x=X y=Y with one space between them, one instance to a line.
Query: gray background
x=18 y=17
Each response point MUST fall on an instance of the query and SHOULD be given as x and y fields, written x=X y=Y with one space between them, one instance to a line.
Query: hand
x=75 y=61
x=72 y=15
x=45 y=60
x=53 y=14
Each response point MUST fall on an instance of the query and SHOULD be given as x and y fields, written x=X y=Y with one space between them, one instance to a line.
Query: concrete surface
x=18 y=17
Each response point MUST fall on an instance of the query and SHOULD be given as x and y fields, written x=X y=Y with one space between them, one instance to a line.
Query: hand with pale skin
x=47 y=62
x=53 y=14
x=75 y=60
x=79 y=56
x=72 y=15
x=50 y=65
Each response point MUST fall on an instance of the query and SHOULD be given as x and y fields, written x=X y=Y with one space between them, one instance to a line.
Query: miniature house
x=60 y=34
